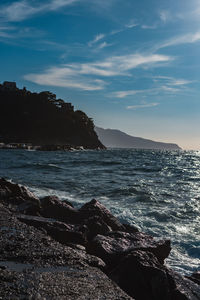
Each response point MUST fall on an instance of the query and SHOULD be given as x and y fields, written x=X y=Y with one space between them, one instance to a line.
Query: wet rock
x=130 y=228
x=65 y=249
x=16 y=194
x=95 y=208
x=182 y=288
x=195 y=277
x=96 y=226
x=67 y=202
x=52 y=207
x=113 y=246
x=142 y=276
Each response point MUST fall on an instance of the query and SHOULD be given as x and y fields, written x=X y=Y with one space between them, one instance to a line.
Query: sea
x=156 y=191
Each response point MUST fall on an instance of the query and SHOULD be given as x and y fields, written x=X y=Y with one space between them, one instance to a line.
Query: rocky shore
x=22 y=146
x=51 y=250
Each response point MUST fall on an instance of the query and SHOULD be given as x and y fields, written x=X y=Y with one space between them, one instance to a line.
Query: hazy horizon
x=130 y=66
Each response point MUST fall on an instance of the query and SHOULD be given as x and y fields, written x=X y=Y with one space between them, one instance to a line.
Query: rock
x=96 y=226
x=96 y=262
x=142 y=276
x=64 y=233
x=16 y=194
x=113 y=246
x=130 y=228
x=34 y=266
x=66 y=250
x=95 y=208
x=183 y=288
x=195 y=277
x=18 y=198
x=67 y=202
x=52 y=207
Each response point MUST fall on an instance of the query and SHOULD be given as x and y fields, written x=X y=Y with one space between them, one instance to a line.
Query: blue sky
x=129 y=64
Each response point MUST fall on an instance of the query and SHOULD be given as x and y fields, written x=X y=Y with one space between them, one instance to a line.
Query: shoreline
x=119 y=253
x=53 y=147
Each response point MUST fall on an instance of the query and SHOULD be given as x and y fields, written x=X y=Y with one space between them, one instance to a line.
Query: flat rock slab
x=33 y=266
x=58 y=283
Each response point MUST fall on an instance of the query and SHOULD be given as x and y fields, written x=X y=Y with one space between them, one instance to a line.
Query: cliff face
x=117 y=139
x=40 y=118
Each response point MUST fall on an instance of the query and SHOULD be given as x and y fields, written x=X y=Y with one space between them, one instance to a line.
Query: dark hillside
x=41 y=119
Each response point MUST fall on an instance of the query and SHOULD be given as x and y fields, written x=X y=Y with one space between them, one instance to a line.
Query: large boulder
x=113 y=246
x=95 y=208
x=182 y=288
x=142 y=276
x=96 y=226
x=18 y=198
x=52 y=207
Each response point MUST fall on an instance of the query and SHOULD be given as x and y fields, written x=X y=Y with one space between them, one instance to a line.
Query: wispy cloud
x=169 y=89
x=124 y=94
x=115 y=31
x=119 y=65
x=133 y=107
x=101 y=36
x=103 y=45
x=96 y=39
x=131 y=24
x=165 y=15
x=85 y=76
x=65 y=77
x=189 y=38
x=166 y=85
x=181 y=82
x=21 y=10
x=10 y=34
x=149 y=26
x=6 y=31
x=144 y=92
x=171 y=81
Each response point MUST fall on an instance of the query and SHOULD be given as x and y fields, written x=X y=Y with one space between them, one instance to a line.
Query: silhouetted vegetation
x=41 y=119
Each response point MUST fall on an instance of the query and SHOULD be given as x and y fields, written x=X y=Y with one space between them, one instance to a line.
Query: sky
x=132 y=65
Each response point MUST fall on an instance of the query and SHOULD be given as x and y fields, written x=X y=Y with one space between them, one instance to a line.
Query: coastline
x=87 y=243
x=53 y=147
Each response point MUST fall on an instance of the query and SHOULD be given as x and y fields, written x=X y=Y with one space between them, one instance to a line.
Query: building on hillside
x=7 y=85
x=10 y=85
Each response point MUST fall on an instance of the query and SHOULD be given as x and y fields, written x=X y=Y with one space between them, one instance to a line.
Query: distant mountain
x=117 y=139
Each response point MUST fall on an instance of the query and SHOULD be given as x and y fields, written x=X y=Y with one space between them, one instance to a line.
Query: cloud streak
x=134 y=107
x=189 y=38
x=165 y=16
x=6 y=31
x=96 y=39
x=85 y=76
x=124 y=94
x=169 y=86
x=65 y=77
x=24 y=9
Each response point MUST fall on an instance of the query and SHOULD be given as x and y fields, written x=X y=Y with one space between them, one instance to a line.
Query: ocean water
x=157 y=191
